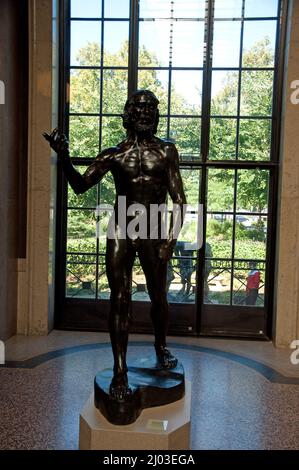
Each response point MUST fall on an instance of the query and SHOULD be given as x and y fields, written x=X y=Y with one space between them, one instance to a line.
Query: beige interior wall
x=13 y=137
x=287 y=279
x=33 y=309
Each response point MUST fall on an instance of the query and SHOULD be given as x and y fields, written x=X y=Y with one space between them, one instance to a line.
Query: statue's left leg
x=119 y=262
x=156 y=279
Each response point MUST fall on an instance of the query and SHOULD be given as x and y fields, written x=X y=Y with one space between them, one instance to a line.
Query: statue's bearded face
x=143 y=114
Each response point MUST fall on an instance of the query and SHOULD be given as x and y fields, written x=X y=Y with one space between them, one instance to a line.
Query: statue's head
x=141 y=112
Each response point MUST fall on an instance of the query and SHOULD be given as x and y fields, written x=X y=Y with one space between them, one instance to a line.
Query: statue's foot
x=165 y=359
x=119 y=388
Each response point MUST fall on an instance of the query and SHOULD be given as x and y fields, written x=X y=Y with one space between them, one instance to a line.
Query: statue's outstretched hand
x=58 y=142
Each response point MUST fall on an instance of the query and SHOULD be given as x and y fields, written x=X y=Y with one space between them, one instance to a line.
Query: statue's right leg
x=156 y=278
x=119 y=263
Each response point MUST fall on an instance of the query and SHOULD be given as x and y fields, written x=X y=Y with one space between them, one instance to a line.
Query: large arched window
x=215 y=66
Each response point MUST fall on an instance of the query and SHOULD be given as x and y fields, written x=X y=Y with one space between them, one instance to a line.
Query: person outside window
x=252 y=284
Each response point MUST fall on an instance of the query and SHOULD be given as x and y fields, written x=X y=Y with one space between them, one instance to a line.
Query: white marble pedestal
x=160 y=428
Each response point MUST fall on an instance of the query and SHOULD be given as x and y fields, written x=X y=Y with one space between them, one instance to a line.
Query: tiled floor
x=245 y=394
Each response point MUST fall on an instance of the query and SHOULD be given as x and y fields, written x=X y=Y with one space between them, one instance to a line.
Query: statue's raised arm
x=94 y=173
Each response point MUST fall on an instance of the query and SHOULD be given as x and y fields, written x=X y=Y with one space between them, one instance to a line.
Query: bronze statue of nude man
x=145 y=169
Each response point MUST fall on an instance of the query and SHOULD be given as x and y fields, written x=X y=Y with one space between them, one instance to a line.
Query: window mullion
x=207 y=79
x=205 y=131
x=133 y=47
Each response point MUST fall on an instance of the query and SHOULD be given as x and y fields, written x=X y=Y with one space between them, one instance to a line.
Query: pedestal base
x=161 y=428
x=150 y=386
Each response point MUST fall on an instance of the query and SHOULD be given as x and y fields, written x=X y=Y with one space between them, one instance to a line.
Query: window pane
x=139 y=287
x=115 y=90
x=186 y=135
x=256 y=8
x=81 y=231
x=157 y=82
x=117 y=9
x=223 y=134
x=224 y=93
x=113 y=131
x=189 y=9
x=181 y=9
x=251 y=236
x=249 y=283
x=85 y=87
x=187 y=47
x=221 y=185
x=227 y=37
x=155 y=9
x=84 y=136
x=181 y=275
x=228 y=8
x=255 y=139
x=80 y=276
x=256 y=93
x=188 y=42
x=252 y=192
x=219 y=235
x=217 y=282
x=154 y=44
x=116 y=43
x=162 y=128
x=86 y=43
x=107 y=190
x=259 y=43
x=88 y=199
x=186 y=92
x=86 y=9
x=191 y=182
x=189 y=234
x=103 y=286
x=103 y=218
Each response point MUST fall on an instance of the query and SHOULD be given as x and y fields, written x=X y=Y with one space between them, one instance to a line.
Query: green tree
x=254 y=135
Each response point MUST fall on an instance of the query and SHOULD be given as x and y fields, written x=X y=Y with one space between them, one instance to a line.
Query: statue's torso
x=140 y=173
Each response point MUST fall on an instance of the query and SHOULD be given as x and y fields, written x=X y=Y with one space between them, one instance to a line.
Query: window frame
x=196 y=317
